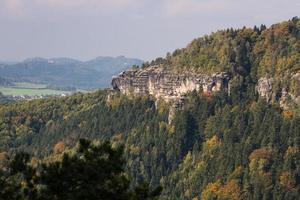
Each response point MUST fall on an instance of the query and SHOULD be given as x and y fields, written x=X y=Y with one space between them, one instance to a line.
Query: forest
x=218 y=146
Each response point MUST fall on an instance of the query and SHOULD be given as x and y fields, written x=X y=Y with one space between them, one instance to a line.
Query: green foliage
x=210 y=139
x=91 y=172
x=221 y=146
x=246 y=54
x=274 y=49
x=244 y=144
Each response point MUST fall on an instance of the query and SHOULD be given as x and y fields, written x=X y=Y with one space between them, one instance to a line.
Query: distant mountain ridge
x=68 y=72
x=5 y=82
x=217 y=120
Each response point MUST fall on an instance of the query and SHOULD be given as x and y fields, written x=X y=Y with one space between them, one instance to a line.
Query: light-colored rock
x=177 y=105
x=284 y=97
x=264 y=88
x=162 y=83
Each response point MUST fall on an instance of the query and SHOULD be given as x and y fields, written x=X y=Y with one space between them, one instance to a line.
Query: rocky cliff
x=162 y=83
x=284 y=94
x=267 y=57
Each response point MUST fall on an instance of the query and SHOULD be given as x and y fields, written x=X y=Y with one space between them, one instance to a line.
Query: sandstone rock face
x=177 y=105
x=161 y=83
x=264 y=88
x=285 y=98
x=164 y=84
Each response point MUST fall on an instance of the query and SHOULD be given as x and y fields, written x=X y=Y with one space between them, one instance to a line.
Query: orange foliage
x=253 y=105
x=263 y=153
x=211 y=190
x=287 y=114
x=207 y=96
x=291 y=151
x=281 y=29
x=59 y=147
x=213 y=142
x=118 y=137
x=3 y=156
x=287 y=180
x=231 y=191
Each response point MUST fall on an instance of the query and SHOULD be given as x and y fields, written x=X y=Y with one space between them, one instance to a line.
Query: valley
x=38 y=78
x=30 y=89
x=216 y=120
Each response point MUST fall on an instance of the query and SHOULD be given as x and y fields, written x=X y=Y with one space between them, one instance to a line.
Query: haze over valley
x=60 y=76
x=213 y=113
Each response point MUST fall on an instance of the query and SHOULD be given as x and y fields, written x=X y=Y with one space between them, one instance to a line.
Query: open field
x=29 y=85
x=30 y=92
x=30 y=89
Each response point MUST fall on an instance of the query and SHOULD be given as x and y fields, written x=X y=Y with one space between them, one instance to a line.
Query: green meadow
x=30 y=89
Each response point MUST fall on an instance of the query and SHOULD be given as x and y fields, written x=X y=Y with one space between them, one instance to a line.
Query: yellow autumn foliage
x=287 y=114
x=59 y=147
x=213 y=142
x=291 y=151
x=262 y=153
x=171 y=129
x=114 y=101
x=135 y=150
x=231 y=191
x=287 y=180
x=211 y=190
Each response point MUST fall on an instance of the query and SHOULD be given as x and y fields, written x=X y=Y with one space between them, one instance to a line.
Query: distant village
x=31 y=97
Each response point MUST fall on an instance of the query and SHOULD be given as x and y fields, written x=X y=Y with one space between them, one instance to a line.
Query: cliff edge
x=163 y=83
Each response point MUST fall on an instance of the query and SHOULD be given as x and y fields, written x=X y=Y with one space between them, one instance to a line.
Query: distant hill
x=4 y=99
x=7 y=62
x=67 y=72
x=5 y=82
x=217 y=120
x=109 y=66
x=103 y=64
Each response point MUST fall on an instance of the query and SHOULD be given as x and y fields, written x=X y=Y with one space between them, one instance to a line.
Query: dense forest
x=218 y=146
x=247 y=54
x=91 y=171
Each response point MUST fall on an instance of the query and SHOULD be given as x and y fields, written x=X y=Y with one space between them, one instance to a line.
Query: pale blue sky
x=144 y=29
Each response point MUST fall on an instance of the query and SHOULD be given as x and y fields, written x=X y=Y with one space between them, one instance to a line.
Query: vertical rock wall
x=162 y=83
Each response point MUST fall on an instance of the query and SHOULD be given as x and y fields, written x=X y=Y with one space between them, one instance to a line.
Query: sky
x=145 y=29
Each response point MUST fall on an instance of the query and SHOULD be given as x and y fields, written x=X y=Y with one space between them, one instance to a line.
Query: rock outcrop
x=162 y=83
x=177 y=105
x=265 y=89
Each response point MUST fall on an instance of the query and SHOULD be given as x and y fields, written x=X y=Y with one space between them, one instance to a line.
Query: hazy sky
x=145 y=29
